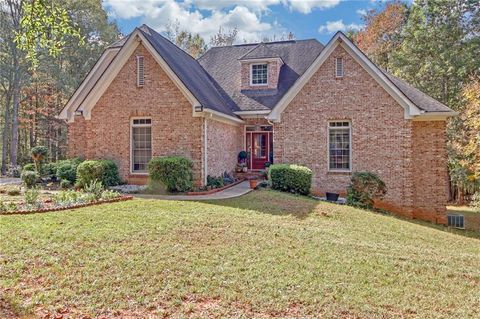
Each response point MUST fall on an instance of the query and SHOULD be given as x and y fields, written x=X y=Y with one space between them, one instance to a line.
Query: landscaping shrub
x=49 y=169
x=28 y=167
x=173 y=171
x=215 y=182
x=290 y=178
x=67 y=169
x=104 y=171
x=365 y=187
x=95 y=188
x=109 y=194
x=29 y=178
x=31 y=197
x=65 y=184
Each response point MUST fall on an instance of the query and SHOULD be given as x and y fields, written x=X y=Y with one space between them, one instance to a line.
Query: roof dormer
x=260 y=68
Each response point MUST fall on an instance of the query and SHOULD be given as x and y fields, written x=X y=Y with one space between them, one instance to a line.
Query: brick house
x=327 y=107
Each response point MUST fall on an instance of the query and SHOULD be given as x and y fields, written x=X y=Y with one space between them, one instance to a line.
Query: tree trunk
x=6 y=131
x=16 y=105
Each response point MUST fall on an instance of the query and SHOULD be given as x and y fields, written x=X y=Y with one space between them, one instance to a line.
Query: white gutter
x=225 y=116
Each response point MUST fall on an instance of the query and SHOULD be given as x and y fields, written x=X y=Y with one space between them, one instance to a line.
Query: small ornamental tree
x=38 y=155
x=365 y=188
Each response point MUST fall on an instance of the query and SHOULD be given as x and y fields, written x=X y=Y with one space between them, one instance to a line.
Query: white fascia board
x=119 y=61
x=435 y=116
x=221 y=117
x=68 y=111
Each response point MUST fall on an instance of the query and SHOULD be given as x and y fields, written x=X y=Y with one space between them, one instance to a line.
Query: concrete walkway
x=234 y=191
x=10 y=181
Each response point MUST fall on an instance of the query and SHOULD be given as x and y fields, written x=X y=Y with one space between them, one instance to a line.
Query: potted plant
x=245 y=168
x=267 y=165
x=332 y=197
x=253 y=183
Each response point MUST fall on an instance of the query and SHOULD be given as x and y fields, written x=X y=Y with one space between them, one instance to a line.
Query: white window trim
x=336 y=67
x=251 y=75
x=132 y=172
x=336 y=170
x=140 y=80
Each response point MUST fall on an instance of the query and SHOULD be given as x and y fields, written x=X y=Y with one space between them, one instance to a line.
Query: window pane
x=339 y=145
x=259 y=74
x=141 y=145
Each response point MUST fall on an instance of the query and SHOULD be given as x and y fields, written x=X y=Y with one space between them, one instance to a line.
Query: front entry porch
x=259 y=146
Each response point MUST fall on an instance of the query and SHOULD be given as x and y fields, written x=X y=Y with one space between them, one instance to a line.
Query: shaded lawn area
x=266 y=254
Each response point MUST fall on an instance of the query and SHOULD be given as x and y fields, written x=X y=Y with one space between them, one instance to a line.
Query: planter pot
x=253 y=183
x=332 y=197
x=245 y=169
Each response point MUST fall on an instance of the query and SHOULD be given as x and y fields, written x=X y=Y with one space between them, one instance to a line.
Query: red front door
x=259 y=150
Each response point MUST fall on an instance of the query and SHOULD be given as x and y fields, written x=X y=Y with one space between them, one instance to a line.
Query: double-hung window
x=339 y=146
x=259 y=74
x=141 y=134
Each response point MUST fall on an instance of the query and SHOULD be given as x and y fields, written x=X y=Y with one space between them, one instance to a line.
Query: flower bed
x=49 y=206
x=215 y=190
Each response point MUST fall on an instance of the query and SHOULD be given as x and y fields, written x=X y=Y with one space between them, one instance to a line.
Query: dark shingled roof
x=191 y=73
x=222 y=63
x=214 y=79
x=261 y=51
x=420 y=99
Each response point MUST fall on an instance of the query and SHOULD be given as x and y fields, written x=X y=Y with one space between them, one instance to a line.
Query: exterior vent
x=339 y=67
x=456 y=221
x=140 y=71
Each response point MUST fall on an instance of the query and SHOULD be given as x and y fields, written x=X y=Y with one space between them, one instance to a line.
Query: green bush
x=67 y=169
x=49 y=169
x=290 y=178
x=32 y=197
x=28 y=167
x=65 y=184
x=215 y=182
x=94 y=188
x=173 y=171
x=104 y=171
x=364 y=189
x=109 y=194
x=29 y=178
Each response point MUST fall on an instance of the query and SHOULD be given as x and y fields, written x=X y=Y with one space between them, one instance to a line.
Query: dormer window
x=259 y=74
x=339 y=67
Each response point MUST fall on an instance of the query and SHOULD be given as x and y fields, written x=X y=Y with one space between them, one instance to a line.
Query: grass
x=266 y=254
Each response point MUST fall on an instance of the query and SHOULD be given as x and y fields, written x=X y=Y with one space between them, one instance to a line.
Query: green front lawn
x=266 y=254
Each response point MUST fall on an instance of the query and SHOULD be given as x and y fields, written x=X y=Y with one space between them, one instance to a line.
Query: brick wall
x=225 y=141
x=273 y=73
x=107 y=134
x=381 y=138
x=430 y=170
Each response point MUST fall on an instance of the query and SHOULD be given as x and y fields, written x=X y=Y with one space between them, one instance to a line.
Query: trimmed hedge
x=173 y=171
x=104 y=171
x=290 y=178
x=67 y=169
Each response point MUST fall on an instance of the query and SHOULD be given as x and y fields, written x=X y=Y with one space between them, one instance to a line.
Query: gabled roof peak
x=261 y=51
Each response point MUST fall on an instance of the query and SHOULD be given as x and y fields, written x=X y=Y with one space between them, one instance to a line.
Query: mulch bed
x=54 y=209
x=215 y=190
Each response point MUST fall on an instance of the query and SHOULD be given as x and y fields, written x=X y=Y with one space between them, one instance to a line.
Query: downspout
x=205 y=136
